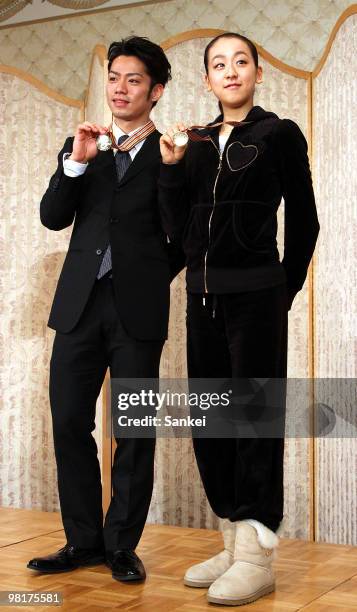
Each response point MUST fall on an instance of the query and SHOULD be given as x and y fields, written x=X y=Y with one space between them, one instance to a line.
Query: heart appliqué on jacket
x=240 y=156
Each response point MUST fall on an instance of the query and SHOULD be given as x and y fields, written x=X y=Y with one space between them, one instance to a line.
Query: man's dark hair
x=151 y=54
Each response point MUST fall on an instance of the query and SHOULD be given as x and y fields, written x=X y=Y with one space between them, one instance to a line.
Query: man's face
x=128 y=89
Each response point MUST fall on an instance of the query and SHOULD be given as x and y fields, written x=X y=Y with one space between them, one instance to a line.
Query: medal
x=104 y=142
x=107 y=141
x=180 y=139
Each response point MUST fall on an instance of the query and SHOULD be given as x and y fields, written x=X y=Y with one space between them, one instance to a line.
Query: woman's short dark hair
x=151 y=54
x=250 y=44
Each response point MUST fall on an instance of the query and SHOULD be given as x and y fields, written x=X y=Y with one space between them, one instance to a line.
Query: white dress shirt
x=74 y=168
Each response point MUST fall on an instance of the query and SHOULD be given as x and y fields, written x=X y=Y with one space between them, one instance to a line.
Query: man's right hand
x=84 y=145
x=170 y=153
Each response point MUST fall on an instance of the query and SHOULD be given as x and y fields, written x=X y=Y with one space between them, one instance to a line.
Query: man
x=110 y=309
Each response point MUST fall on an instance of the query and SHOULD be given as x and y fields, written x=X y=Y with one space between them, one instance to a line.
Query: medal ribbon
x=133 y=140
x=196 y=137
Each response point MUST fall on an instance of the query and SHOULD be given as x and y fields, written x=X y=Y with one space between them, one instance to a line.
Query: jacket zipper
x=211 y=215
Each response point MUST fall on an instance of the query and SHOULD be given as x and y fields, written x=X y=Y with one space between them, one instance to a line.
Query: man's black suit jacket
x=126 y=215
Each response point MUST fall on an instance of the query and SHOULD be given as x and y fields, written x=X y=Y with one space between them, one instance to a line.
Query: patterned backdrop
x=32 y=127
x=335 y=130
x=31 y=258
x=58 y=51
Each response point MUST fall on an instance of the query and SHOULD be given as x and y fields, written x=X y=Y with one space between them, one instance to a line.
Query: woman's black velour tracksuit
x=223 y=208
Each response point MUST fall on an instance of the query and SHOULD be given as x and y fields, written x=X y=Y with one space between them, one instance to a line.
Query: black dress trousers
x=246 y=338
x=78 y=365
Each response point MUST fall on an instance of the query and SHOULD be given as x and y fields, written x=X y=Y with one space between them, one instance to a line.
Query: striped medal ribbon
x=181 y=138
x=107 y=141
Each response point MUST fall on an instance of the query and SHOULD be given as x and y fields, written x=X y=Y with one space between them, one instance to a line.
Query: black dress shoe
x=126 y=566
x=67 y=559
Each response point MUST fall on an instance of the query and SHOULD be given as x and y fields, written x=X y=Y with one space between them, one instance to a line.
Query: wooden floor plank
x=14 y=524
x=313 y=577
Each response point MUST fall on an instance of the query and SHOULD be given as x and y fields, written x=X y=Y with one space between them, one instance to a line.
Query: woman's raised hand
x=84 y=145
x=171 y=153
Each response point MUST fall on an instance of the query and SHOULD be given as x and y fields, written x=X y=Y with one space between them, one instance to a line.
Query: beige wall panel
x=178 y=495
x=32 y=128
x=95 y=109
x=335 y=161
x=95 y=104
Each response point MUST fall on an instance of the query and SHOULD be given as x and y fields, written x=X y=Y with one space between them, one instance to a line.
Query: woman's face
x=232 y=73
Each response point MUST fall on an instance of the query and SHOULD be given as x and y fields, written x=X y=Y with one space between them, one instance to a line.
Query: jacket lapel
x=149 y=152
x=105 y=164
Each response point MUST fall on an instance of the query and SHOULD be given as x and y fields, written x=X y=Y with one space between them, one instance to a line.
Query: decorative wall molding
x=80 y=11
x=212 y=32
x=8 y=8
x=77 y=5
x=56 y=51
x=51 y=93
x=351 y=10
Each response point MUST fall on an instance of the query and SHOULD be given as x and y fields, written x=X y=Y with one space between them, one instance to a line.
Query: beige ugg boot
x=251 y=575
x=203 y=574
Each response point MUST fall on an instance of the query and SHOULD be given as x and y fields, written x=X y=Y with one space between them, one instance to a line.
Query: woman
x=220 y=195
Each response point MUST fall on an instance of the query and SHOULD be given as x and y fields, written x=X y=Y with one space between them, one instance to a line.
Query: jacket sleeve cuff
x=172 y=175
x=73 y=168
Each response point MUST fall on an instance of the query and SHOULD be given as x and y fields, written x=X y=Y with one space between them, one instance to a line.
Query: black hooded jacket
x=223 y=207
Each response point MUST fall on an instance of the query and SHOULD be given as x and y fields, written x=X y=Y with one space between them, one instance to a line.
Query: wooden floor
x=312 y=577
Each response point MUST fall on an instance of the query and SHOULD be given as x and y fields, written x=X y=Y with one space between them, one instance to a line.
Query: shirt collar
x=117 y=132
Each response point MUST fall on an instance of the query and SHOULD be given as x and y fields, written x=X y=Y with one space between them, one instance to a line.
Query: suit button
x=99 y=251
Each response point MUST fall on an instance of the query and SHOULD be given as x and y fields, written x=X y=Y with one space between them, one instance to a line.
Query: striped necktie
x=122 y=163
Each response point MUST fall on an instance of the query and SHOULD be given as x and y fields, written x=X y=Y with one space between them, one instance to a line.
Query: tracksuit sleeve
x=173 y=199
x=301 y=226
